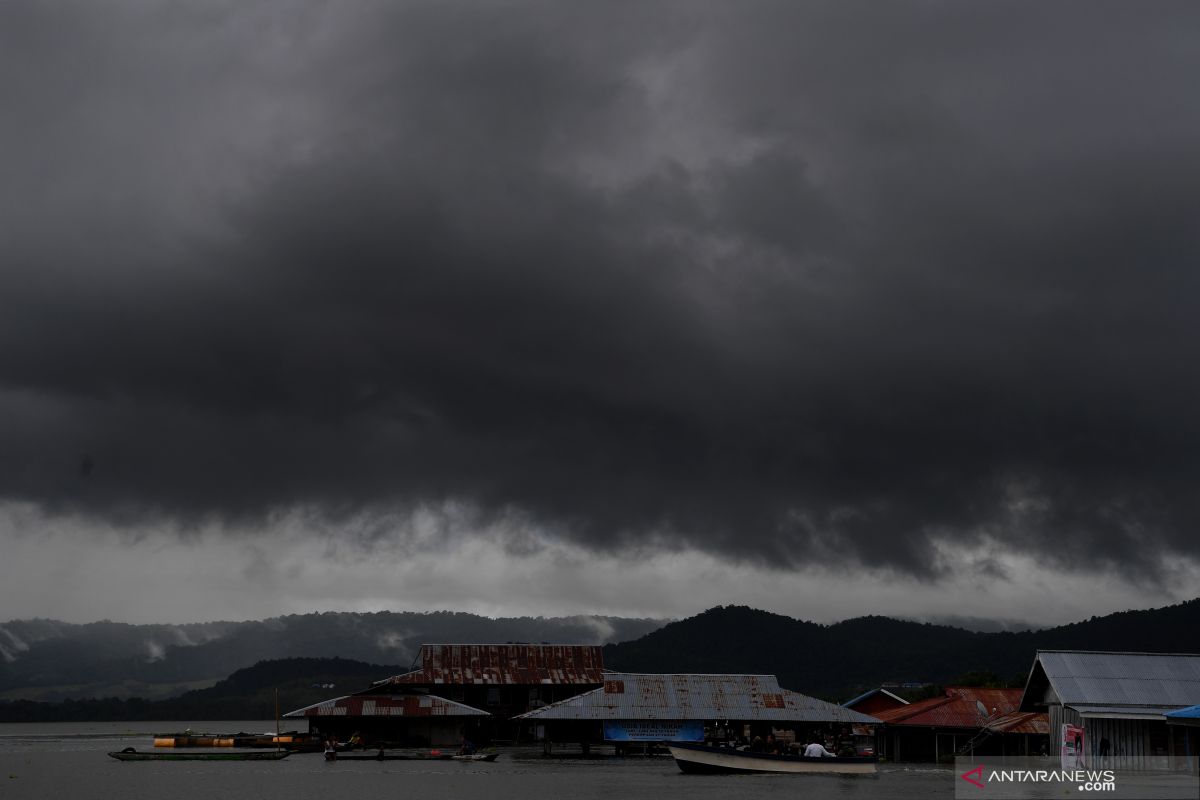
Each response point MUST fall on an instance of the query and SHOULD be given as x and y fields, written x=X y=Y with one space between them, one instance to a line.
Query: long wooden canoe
x=702 y=758
x=416 y=757
x=290 y=739
x=130 y=754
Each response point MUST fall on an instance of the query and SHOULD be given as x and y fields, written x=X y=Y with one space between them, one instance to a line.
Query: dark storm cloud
x=785 y=282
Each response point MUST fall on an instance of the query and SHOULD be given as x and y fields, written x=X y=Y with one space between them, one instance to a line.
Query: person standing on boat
x=817 y=750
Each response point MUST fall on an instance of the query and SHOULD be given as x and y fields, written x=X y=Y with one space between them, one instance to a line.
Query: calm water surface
x=67 y=760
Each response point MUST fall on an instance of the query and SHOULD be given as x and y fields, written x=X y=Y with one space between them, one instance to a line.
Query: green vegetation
x=830 y=661
x=838 y=661
x=246 y=694
x=50 y=661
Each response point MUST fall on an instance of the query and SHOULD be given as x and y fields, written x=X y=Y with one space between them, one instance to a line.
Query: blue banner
x=653 y=730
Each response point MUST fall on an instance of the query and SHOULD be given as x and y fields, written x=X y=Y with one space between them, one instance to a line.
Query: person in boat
x=757 y=745
x=816 y=749
x=466 y=747
x=356 y=740
x=331 y=748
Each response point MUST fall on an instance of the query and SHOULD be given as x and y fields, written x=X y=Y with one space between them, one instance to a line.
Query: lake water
x=68 y=760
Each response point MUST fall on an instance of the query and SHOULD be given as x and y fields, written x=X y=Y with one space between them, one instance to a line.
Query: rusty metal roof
x=960 y=707
x=640 y=696
x=561 y=664
x=1021 y=722
x=388 y=705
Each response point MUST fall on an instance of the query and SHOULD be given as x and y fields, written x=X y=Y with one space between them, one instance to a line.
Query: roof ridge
x=696 y=674
x=1119 y=653
x=560 y=702
x=870 y=692
x=915 y=707
x=507 y=644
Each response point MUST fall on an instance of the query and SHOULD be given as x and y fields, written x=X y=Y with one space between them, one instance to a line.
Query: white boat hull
x=701 y=758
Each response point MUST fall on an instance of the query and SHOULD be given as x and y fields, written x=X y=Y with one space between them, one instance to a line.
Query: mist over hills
x=977 y=624
x=49 y=660
x=45 y=660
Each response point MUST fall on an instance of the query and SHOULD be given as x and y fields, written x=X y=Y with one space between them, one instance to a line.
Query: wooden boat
x=702 y=758
x=129 y=754
x=291 y=739
x=381 y=756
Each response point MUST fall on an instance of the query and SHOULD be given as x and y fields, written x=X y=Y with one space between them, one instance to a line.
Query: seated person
x=817 y=750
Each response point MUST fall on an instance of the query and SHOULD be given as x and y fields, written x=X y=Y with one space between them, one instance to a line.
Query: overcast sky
x=633 y=308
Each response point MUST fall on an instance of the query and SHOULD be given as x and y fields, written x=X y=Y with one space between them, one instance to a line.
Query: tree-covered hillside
x=836 y=661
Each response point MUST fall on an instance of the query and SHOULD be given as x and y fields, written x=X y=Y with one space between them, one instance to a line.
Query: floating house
x=964 y=719
x=460 y=689
x=1121 y=700
x=644 y=708
x=503 y=679
x=417 y=719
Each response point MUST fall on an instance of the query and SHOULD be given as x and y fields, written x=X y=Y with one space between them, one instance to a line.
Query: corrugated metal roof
x=1022 y=722
x=525 y=664
x=961 y=707
x=1117 y=712
x=1122 y=679
x=388 y=705
x=872 y=693
x=890 y=716
x=641 y=696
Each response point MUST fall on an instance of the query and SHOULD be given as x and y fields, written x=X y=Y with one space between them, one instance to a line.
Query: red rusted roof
x=961 y=707
x=527 y=664
x=1022 y=722
x=388 y=705
x=874 y=701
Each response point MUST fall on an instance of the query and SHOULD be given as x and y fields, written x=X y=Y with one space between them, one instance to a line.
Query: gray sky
x=544 y=307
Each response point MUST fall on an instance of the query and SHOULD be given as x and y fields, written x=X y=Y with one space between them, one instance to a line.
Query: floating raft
x=129 y=754
x=291 y=739
x=416 y=757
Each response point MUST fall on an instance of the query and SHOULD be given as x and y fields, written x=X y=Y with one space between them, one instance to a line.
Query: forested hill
x=836 y=661
x=248 y=694
x=832 y=661
x=50 y=660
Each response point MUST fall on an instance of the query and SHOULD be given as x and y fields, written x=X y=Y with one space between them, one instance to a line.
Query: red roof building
x=461 y=689
x=964 y=718
x=504 y=679
x=506 y=664
x=875 y=701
